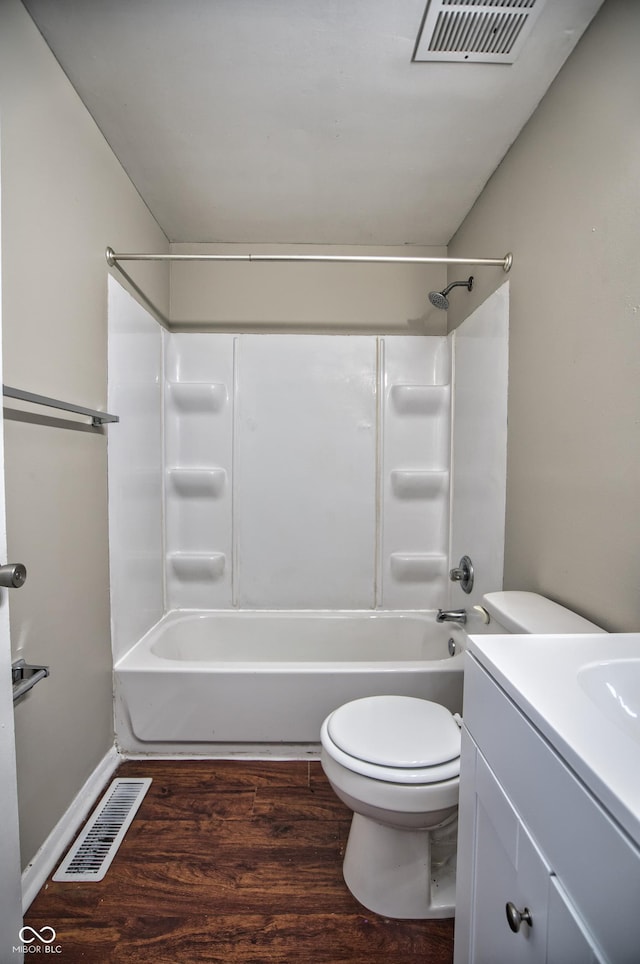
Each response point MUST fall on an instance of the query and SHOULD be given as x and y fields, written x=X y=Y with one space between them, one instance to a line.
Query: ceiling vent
x=472 y=31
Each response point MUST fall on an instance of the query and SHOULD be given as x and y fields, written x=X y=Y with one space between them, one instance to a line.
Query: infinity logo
x=37 y=936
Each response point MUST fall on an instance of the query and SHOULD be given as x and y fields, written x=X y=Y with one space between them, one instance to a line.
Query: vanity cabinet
x=533 y=838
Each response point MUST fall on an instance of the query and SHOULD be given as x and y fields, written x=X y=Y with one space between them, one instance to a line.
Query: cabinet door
x=569 y=941
x=507 y=869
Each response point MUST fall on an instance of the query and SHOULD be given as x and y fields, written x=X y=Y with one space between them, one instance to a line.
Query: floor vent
x=475 y=31
x=91 y=854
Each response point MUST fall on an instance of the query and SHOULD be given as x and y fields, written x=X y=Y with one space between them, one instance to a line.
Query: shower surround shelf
x=419 y=483
x=197 y=397
x=197 y=566
x=419 y=399
x=417 y=566
x=197 y=482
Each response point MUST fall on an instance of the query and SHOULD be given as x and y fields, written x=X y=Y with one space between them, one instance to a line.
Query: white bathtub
x=201 y=681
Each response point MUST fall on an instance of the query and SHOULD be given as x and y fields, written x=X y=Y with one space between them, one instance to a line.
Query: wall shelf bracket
x=97 y=418
x=24 y=677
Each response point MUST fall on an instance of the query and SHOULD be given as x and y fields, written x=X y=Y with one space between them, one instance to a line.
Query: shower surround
x=274 y=471
x=277 y=475
x=306 y=471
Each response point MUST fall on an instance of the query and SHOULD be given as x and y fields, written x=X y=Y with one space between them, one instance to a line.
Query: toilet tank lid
x=528 y=612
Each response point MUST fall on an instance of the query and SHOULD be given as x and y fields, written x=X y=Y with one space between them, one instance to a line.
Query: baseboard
x=232 y=751
x=36 y=873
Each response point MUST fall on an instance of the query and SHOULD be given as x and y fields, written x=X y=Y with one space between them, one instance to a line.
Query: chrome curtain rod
x=504 y=263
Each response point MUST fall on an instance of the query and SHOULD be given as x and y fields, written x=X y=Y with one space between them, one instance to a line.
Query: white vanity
x=549 y=831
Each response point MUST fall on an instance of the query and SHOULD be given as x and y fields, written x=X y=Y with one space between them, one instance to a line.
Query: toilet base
x=403 y=874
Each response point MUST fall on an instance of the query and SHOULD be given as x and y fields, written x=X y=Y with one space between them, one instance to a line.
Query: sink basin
x=614 y=686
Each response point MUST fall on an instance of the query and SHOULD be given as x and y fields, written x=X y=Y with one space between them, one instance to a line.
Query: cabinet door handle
x=516 y=917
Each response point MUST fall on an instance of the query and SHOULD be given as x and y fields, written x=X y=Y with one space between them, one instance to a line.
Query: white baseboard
x=231 y=751
x=36 y=873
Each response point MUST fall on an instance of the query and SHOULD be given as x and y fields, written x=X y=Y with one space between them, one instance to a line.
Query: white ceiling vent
x=473 y=31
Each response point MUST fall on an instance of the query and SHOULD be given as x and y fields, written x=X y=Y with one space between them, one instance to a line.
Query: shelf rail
x=97 y=418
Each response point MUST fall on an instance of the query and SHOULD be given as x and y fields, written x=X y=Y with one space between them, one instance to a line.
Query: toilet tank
x=528 y=612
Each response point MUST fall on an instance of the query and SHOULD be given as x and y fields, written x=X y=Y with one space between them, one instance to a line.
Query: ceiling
x=299 y=121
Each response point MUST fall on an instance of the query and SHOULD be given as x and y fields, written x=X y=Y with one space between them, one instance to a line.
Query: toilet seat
x=396 y=739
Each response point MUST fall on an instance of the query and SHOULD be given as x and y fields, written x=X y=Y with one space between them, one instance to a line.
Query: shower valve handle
x=463 y=574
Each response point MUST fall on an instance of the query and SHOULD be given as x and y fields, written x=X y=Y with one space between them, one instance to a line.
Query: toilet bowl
x=395 y=761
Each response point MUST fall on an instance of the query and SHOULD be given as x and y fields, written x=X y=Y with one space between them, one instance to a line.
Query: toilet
x=395 y=761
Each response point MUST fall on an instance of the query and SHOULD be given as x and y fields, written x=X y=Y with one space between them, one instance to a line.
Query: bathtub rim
x=140 y=658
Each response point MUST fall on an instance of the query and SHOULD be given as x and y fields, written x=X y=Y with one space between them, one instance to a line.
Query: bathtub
x=204 y=681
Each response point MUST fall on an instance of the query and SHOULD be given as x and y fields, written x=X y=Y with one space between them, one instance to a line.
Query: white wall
x=479 y=446
x=414 y=473
x=199 y=399
x=306 y=471
x=135 y=453
x=305 y=480
x=565 y=200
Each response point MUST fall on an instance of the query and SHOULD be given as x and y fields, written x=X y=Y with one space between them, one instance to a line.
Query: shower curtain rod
x=505 y=263
x=114 y=261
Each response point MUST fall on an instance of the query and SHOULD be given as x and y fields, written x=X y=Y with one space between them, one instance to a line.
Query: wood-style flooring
x=231 y=861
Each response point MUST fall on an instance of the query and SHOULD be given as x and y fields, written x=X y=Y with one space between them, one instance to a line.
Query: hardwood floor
x=236 y=862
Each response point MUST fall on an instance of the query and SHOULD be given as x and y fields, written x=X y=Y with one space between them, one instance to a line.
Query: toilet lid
x=396 y=731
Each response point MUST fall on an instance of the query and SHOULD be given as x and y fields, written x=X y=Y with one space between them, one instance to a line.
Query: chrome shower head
x=439 y=298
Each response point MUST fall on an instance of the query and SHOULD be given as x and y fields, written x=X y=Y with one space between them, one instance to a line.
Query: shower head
x=439 y=298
